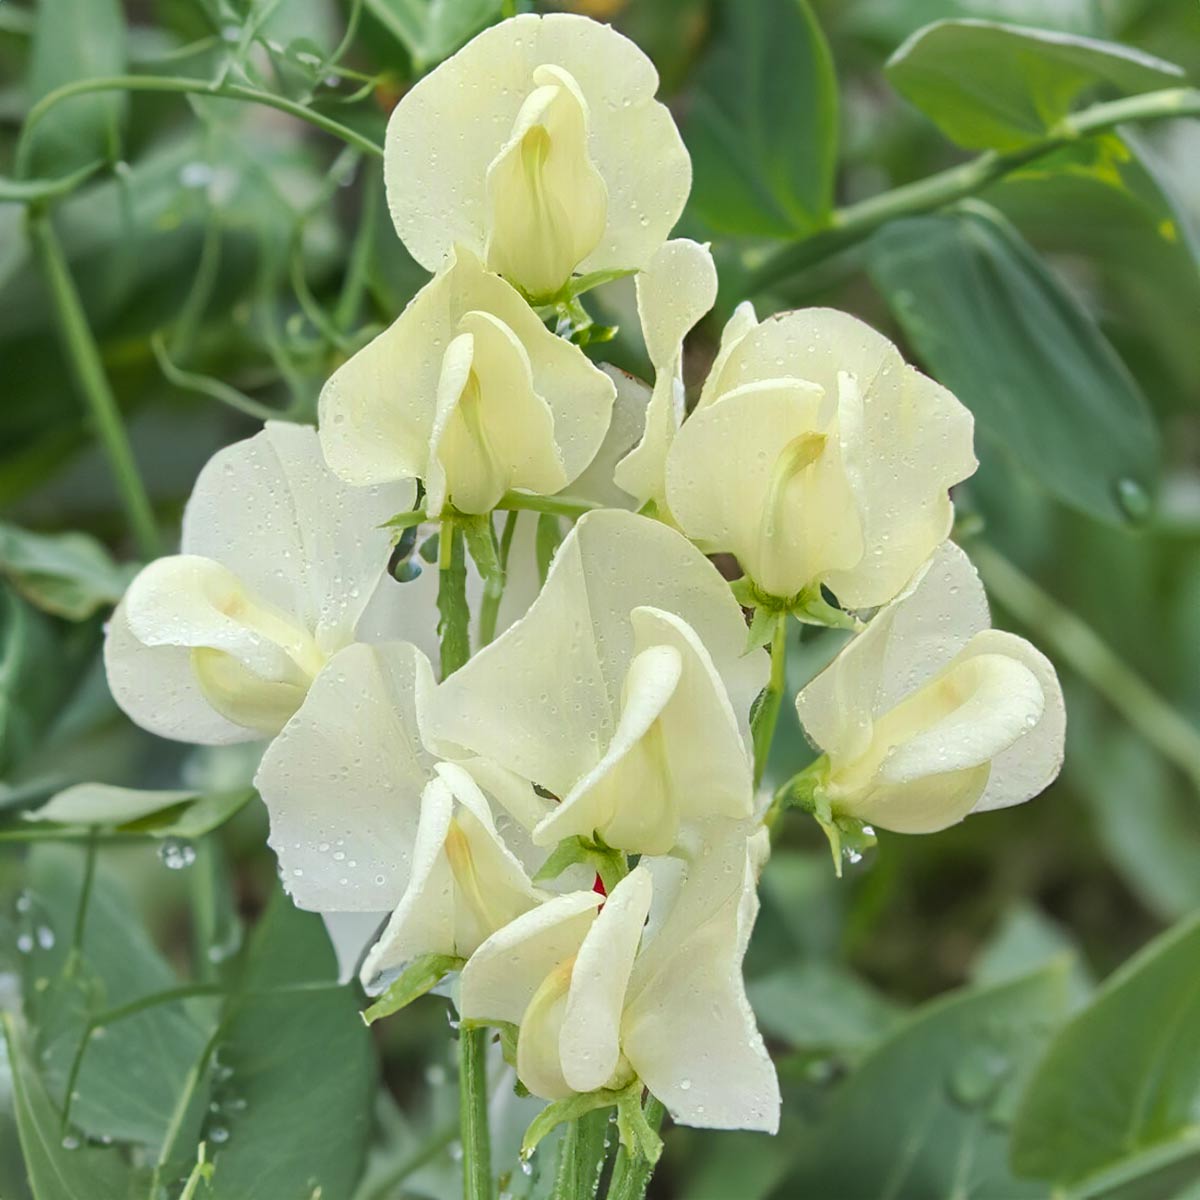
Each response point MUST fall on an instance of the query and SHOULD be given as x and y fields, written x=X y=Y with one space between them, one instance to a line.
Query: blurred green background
x=227 y=255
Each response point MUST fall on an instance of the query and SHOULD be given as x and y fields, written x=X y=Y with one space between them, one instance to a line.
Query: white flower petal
x=157 y=687
x=597 y=482
x=590 y=1039
x=628 y=796
x=509 y=703
x=1032 y=763
x=447 y=131
x=906 y=644
x=270 y=510
x=743 y=320
x=678 y=286
x=548 y=203
x=342 y=782
x=911 y=439
x=792 y=513
x=378 y=410
x=502 y=976
x=688 y=1030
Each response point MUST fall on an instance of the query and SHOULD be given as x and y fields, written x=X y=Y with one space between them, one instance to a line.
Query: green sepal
x=419 y=977
x=808 y=606
x=548 y=539
x=481 y=545
x=636 y=1135
x=762 y=628
x=405 y=520
x=848 y=837
x=610 y=864
x=454 y=614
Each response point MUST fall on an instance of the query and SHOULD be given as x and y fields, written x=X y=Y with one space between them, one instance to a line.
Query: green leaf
x=992 y=86
x=762 y=128
x=1024 y=940
x=820 y=1006
x=608 y=863
x=432 y=30
x=1122 y=1079
x=131 y=1073
x=888 y=22
x=999 y=329
x=68 y=574
x=56 y=1171
x=73 y=40
x=415 y=980
x=1109 y=201
x=298 y=1071
x=178 y=813
x=924 y=1114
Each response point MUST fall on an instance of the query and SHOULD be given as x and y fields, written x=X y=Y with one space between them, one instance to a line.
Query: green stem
x=84 y=358
x=562 y=506
x=493 y=588
x=1080 y=647
x=473 y=1114
x=191 y=87
x=38 y=191
x=581 y=1156
x=631 y=1173
x=857 y=221
x=454 y=614
x=767 y=715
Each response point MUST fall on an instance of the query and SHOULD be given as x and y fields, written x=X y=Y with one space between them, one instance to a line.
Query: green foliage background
x=1005 y=1009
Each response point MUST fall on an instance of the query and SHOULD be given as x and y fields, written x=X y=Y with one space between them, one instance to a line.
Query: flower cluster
x=569 y=820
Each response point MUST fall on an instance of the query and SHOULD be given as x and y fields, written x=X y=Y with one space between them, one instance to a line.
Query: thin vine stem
x=84 y=358
x=767 y=715
x=190 y=87
x=853 y=224
x=1078 y=645
x=631 y=1172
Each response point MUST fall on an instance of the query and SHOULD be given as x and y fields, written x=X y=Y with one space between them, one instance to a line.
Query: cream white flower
x=280 y=559
x=929 y=714
x=469 y=392
x=602 y=997
x=817 y=456
x=625 y=690
x=539 y=146
x=674 y=292
x=365 y=818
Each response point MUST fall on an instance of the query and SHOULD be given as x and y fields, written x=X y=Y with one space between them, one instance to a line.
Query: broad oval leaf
x=763 y=125
x=298 y=1072
x=993 y=86
x=73 y=40
x=70 y=575
x=998 y=328
x=924 y=1114
x=1122 y=1079
x=55 y=1171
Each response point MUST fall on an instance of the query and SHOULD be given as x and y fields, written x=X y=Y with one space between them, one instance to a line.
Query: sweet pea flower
x=929 y=714
x=817 y=456
x=366 y=818
x=601 y=997
x=541 y=148
x=468 y=391
x=625 y=690
x=279 y=562
x=674 y=292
